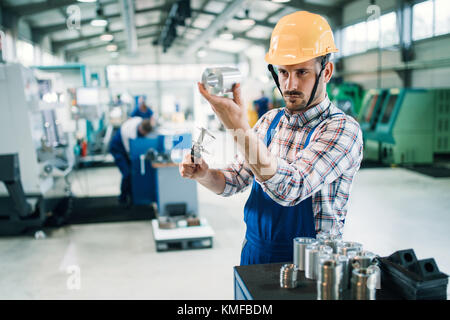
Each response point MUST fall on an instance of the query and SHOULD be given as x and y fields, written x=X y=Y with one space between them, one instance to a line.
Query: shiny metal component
x=329 y=278
x=333 y=243
x=288 y=276
x=321 y=257
x=311 y=255
x=363 y=284
x=219 y=81
x=345 y=247
x=325 y=249
x=323 y=236
x=345 y=272
x=299 y=251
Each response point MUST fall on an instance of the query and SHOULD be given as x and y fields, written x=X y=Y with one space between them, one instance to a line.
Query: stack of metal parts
x=337 y=266
x=288 y=276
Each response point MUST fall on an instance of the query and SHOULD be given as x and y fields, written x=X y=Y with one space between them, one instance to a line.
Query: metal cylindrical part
x=323 y=248
x=299 y=251
x=323 y=256
x=345 y=247
x=219 y=81
x=323 y=236
x=328 y=283
x=333 y=243
x=345 y=272
x=363 y=284
x=311 y=255
x=288 y=276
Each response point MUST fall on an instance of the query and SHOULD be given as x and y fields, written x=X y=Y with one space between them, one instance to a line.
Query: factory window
x=442 y=18
x=389 y=33
x=354 y=39
x=363 y=36
x=422 y=20
x=25 y=52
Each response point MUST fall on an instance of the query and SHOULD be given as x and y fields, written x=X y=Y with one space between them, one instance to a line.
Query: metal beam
x=60 y=44
x=58 y=27
x=316 y=8
x=218 y=23
x=33 y=8
x=121 y=44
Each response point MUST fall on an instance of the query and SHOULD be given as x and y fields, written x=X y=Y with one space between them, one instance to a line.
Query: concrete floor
x=390 y=209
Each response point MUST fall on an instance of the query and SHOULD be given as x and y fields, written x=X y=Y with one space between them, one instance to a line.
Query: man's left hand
x=231 y=112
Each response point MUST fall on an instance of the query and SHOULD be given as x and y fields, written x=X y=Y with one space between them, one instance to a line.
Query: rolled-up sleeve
x=336 y=147
x=238 y=175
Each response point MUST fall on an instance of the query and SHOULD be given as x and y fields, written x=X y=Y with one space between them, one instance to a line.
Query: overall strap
x=312 y=131
x=273 y=125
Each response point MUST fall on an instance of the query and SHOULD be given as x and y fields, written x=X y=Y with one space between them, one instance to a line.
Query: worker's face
x=297 y=82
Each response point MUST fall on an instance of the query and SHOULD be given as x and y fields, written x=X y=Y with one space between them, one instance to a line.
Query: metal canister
x=328 y=282
x=363 y=284
x=219 y=81
x=288 y=276
x=299 y=251
x=345 y=247
x=323 y=236
x=311 y=255
x=321 y=257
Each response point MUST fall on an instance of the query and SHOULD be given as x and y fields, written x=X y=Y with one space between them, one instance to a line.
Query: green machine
x=348 y=97
x=411 y=127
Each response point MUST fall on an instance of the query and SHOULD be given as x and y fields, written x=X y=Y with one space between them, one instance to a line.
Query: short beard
x=299 y=106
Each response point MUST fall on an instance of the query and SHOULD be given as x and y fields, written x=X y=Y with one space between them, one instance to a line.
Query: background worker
x=143 y=110
x=120 y=148
x=301 y=159
x=262 y=105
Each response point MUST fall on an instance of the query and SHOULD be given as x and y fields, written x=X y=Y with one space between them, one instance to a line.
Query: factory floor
x=390 y=209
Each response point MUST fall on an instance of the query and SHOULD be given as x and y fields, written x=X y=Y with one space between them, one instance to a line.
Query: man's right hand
x=191 y=170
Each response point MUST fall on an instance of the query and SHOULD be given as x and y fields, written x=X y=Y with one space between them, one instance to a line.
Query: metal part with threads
x=219 y=81
x=288 y=276
x=300 y=244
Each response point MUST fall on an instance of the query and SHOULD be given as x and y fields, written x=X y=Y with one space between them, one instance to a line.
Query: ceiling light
x=99 y=20
x=281 y=1
x=201 y=53
x=111 y=47
x=106 y=37
x=87 y=0
x=226 y=35
x=248 y=22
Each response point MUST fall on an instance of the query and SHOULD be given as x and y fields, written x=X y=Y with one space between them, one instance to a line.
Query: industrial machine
x=156 y=180
x=410 y=127
x=35 y=154
x=348 y=97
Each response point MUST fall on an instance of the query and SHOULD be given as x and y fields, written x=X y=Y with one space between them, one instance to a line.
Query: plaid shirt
x=323 y=170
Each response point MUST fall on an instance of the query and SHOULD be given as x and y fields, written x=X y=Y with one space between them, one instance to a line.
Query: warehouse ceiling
x=68 y=22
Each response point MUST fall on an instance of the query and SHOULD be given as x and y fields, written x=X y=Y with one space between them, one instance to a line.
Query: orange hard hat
x=299 y=37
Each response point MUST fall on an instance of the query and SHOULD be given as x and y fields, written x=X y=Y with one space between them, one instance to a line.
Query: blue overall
x=272 y=227
x=122 y=160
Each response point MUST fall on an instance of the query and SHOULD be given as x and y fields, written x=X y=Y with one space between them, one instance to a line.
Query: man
x=120 y=148
x=261 y=105
x=301 y=158
x=141 y=109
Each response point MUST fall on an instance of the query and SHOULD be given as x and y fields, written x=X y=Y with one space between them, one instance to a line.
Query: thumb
x=237 y=94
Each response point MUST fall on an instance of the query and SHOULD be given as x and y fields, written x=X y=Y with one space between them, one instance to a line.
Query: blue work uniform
x=138 y=113
x=263 y=106
x=123 y=162
x=272 y=227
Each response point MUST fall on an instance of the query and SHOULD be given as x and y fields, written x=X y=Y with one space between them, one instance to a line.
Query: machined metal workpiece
x=345 y=247
x=363 y=283
x=219 y=81
x=288 y=276
x=329 y=280
x=311 y=255
x=300 y=244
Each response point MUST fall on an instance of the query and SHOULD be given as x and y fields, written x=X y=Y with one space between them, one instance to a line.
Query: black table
x=262 y=282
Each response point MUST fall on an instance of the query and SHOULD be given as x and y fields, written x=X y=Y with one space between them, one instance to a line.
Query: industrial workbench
x=262 y=282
